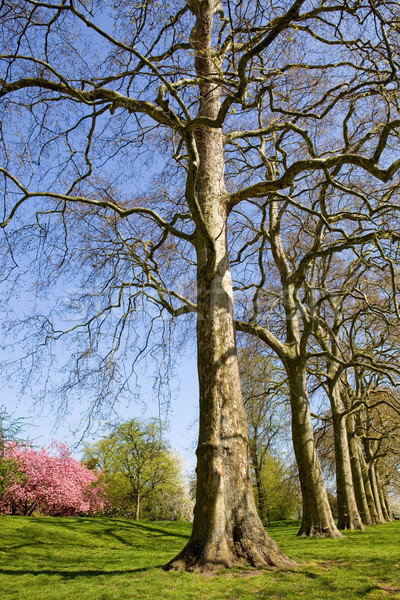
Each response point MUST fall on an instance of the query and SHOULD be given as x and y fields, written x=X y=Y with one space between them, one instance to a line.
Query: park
x=102 y=559
x=217 y=179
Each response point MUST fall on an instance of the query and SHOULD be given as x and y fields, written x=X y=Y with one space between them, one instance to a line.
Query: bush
x=50 y=483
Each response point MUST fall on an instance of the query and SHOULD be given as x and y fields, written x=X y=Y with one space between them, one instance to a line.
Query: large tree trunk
x=348 y=516
x=226 y=528
x=317 y=518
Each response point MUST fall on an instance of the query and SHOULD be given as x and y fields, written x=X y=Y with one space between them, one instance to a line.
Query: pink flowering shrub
x=50 y=482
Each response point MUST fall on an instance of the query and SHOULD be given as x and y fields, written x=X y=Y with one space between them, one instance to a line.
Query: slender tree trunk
x=137 y=507
x=317 y=515
x=261 y=496
x=226 y=528
x=358 y=482
x=385 y=511
x=368 y=489
x=375 y=491
x=386 y=502
x=317 y=518
x=348 y=516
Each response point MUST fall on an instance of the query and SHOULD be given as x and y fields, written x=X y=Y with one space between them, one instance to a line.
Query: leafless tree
x=237 y=107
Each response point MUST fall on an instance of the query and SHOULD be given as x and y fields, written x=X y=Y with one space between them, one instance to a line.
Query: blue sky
x=182 y=434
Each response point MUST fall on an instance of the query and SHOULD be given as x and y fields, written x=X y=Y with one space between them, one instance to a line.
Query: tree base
x=355 y=526
x=314 y=531
x=211 y=557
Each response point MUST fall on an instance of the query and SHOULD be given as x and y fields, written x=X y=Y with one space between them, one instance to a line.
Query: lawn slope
x=47 y=558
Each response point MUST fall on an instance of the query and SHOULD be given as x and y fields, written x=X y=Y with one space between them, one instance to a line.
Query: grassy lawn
x=44 y=558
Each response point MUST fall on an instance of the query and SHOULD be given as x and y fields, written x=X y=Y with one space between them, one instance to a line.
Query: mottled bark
x=317 y=515
x=382 y=500
x=317 y=518
x=368 y=489
x=348 y=515
x=226 y=528
x=375 y=491
x=359 y=489
x=386 y=503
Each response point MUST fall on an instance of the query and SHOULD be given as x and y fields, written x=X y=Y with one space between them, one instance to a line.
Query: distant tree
x=265 y=395
x=170 y=501
x=50 y=483
x=10 y=428
x=143 y=477
x=282 y=491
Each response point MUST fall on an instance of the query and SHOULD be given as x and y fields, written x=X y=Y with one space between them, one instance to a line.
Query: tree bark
x=317 y=515
x=368 y=489
x=317 y=518
x=386 y=503
x=226 y=530
x=359 y=488
x=348 y=516
x=375 y=491
x=382 y=500
x=137 y=508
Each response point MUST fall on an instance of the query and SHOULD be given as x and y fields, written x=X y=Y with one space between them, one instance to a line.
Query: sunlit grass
x=47 y=558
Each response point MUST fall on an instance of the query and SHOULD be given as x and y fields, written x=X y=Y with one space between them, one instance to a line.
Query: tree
x=51 y=484
x=356 y=334
x=140 y=473
x=282 y=490
x=173 y=500
x=10 y=428
x=292 y=235
x=204 y=86
x=337 y=308
x=265 y=400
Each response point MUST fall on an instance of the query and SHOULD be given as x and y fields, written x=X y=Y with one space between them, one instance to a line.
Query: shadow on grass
x=74 y=574
x=152 y=529
x=104 y=528
x=108 y=525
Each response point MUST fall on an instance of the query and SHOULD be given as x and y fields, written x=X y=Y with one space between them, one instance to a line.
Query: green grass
x=44 y=558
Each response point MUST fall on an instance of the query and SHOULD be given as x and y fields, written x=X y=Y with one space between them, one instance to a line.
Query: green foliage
x=281 y=489
x=98 y=558
x=9 y=473
x=10 y=429
x=143 y=477
x=265 y=396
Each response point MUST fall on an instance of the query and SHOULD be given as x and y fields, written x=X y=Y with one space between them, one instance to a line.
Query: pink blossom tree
x=49 y=481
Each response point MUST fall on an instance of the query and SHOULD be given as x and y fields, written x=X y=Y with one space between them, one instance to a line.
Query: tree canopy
x=143 y=478
x=49 y=482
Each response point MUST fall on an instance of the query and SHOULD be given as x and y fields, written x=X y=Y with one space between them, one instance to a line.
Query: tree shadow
x=74 y=574
x=158 y=530
x=107 y=526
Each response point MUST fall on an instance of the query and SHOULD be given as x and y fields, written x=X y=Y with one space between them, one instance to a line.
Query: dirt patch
x=388 y=589
x=252 y=573
x=242 y=574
